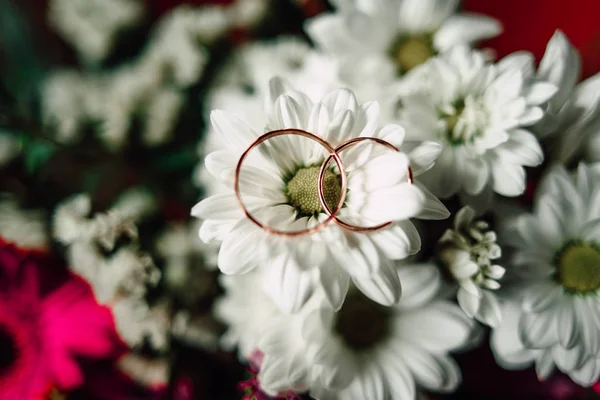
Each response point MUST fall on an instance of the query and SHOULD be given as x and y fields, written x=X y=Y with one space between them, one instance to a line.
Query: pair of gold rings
x=333 y=155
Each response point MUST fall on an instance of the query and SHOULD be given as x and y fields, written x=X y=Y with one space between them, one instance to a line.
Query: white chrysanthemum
x=364 y=351
x=467 y=252
x=552 y=317
x=379 y=39
x=479 y=112
x=280 y=186
x=24 y=228
x=572 y=120
x=91 y=25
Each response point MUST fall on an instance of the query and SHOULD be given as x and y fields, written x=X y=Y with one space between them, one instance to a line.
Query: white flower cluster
x=151 y=88
x=339 y=312
x=91 y=26
x=119 y=280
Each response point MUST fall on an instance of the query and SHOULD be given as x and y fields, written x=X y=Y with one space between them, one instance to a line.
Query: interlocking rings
x=333 y=155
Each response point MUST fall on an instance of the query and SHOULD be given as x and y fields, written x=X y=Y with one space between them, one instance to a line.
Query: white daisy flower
x=467 y=252
x=572 y=120
x=282 y=190
x=479 y=112
x=383 y=38
x=364 y=351
x=553 y=309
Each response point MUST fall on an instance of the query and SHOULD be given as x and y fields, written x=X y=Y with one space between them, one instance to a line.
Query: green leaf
x=37 y=153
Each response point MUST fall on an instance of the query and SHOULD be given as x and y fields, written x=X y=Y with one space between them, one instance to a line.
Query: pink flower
x=48 y=320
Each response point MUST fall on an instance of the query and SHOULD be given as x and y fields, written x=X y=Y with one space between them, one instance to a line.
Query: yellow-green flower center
x=361 y=322
x=579 y=267
x=303 y=190
x=408 y=52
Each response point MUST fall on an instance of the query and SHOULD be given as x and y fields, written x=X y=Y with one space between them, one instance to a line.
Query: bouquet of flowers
x=296 y=199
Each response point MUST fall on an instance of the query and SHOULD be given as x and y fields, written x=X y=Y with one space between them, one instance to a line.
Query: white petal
x=400 y=202
x=537 y=331
x=423 y=156
x=369 y=177
x=438 y=328
x=509 y=179
x=505 y=343
x=237 y=254
x=432 y=372
x=289 y=286
x=383 y=286
x=468 y=302
x=588 y=332
x=235 y=133
x=522 y=148
x=465 y=29
x=561 y=66
x=489 y=310
x=420 y=284
x=335 y=282
x=392 y=133
x=221 y=207
x=398 y=241
x=400 y=381
x=433 y=208
x=540 y=297
x=540 y=92
x=369 y=384
x=588 y=374
x=544 y=365
x=569 y=359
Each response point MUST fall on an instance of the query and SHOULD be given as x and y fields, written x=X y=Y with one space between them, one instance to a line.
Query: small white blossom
x=92 y=25
x=24 y=228
x=71 y=223
x=468 y=251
